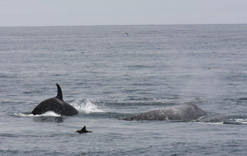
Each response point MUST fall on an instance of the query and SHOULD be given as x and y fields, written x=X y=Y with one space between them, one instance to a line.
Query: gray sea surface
x=108 y=75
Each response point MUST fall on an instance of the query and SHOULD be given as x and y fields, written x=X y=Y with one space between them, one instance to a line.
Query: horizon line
x=80 y=25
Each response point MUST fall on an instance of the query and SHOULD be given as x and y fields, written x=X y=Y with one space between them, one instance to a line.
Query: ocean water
x=107 y=75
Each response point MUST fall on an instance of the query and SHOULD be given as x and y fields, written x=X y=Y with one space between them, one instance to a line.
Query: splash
x=49 y=113
x=86 y=106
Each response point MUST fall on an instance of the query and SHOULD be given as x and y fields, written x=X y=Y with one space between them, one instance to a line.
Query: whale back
x=186 y=112
x=52 y=104
x=56 y=105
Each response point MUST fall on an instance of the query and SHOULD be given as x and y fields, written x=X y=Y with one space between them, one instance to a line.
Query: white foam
x=48 y=113
x=242 y=121
x=212 y=123
x=86 y=106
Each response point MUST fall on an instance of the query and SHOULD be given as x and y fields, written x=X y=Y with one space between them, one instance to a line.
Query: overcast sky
x=121 y=12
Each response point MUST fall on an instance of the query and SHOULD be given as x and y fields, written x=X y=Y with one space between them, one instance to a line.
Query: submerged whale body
x=185 y=112
x=55 y=104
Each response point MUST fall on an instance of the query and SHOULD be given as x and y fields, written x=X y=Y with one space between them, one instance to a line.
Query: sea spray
x=86 y=106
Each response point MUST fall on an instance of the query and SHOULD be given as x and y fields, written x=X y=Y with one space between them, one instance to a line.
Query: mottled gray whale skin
x=55 y=104
x=187 y=112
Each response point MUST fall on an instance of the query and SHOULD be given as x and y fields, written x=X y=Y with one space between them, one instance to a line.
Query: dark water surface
x=107 y=75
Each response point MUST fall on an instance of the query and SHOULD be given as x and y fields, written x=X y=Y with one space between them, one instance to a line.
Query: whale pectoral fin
x=59 y=92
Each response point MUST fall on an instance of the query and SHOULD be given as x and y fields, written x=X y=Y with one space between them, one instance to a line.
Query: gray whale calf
x=185 y=112
x=55 y=104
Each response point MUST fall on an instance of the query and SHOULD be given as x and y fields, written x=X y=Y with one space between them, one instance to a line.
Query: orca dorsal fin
x=59 y=92
x=84 y=129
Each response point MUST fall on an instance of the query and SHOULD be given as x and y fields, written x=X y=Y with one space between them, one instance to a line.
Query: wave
x=82 y=105
x=86 y=106
x=219 y=119
x=236 y=122
x=229 y=122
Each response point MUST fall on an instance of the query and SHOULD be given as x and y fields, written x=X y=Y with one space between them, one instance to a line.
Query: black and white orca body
x=55 y=104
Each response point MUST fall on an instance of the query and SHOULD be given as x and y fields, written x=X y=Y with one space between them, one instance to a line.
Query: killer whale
x=187 y=112
x=83 y=130
x=55 y=104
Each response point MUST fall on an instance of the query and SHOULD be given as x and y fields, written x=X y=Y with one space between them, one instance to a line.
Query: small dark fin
x=59 y=92
x=84 y=129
